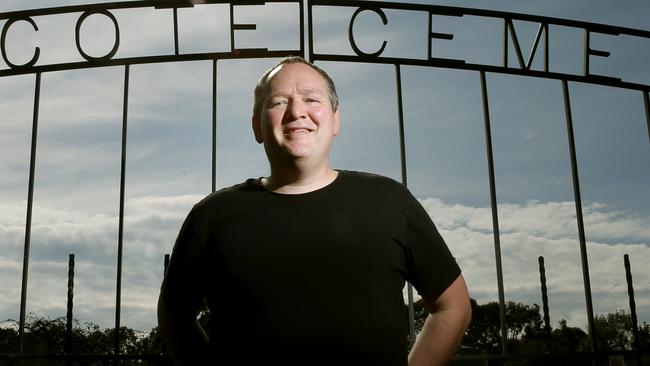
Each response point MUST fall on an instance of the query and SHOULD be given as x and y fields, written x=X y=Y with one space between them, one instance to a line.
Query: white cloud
x=549 y=229
x=152 y=223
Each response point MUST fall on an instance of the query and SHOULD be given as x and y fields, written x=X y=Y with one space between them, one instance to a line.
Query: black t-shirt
x=309 y=279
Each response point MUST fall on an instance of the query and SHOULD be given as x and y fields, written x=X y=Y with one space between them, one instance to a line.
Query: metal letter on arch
x=351 y=36
x=117 y=35
x=3 y=38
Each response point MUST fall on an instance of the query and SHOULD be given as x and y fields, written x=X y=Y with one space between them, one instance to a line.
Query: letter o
x=351 y=36
x=3 y=38
x=81 y=19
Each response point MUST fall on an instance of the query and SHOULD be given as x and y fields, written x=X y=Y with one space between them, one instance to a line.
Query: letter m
x=510 y=29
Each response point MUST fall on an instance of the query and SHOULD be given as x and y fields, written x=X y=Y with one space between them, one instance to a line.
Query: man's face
x=296 y=121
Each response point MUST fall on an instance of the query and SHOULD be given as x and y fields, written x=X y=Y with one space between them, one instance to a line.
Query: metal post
x=402 y=150
x=547 y=318
x=214 y=125
x=232 y=28
x=586 y=52
x=120 y=239
x=28 y=221
x=175 y=31
x=630 y=294
x=505 y=42
x=301 y=4
x=68 y=324
x=495 y=215
x=646 y=103
x=310 y=30
x=581 y=226
x=166 y=359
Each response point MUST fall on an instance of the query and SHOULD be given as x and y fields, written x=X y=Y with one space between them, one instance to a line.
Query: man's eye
x=312 y=100
x=275 y=103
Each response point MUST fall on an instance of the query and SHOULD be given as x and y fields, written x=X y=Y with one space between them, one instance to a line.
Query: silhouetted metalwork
x=120 y=230
x=630 y=295
x=578 y=204
x=68 y=317
x=509 y=34
x=542 y=281
x=646 y=104
x=495 y=214
x=28 y=220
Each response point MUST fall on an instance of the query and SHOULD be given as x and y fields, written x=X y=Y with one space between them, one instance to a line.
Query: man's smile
x=290 y=130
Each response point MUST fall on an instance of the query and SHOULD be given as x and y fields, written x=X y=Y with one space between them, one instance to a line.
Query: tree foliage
x=45 y=336
x=525 y=334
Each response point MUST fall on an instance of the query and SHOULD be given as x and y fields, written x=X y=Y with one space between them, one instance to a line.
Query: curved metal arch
x=589 y=28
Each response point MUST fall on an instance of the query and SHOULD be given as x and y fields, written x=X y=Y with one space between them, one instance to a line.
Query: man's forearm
x=439 y=338
x=185 y=341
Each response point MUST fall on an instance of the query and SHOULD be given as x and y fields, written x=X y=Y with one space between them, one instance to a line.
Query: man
x=307 y=266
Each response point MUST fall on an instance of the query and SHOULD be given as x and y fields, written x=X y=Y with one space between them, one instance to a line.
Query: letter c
x=3 y=38
x=351 y=36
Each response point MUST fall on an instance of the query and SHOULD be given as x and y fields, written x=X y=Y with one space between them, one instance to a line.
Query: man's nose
x=296 y=110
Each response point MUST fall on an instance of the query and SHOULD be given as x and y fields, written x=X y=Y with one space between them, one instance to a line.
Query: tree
x=47 y=336
x=569 y=339
x=522 y=322
x=525 y=336
x=9 y=339
x=614 y=331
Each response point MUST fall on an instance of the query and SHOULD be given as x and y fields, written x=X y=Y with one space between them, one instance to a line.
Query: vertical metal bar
x=310 y=31
x=547 y=318
x=429 y=30
x=232 y=27
x=542 y=280
x=400 y=114
x=581 y=227
x=165 y=359
x=302 y=28
x=68 y=324
x=586 y=52
x=28 y=220
x=505 y=42
x=495 y=216
x=646 y=103
x=630 y=294
x=176 y=31
x=402 y=151
x=214 y=125
x=120 y=237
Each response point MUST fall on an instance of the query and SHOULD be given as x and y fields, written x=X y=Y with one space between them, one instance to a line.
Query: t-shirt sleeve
x=431 y=266
x=181 y=286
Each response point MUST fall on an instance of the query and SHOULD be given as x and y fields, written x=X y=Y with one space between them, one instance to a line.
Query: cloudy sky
x=168 y=168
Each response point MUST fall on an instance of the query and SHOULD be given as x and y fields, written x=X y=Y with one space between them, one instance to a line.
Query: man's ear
x=257 y=129
x=337 y=121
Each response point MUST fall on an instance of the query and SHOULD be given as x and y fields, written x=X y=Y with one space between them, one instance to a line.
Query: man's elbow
x=467 y=319
x=458 y=297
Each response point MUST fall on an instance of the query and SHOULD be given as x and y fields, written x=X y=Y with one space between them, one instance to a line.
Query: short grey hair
x=262 y=87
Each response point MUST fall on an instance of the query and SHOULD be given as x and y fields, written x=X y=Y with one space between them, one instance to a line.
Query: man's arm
x=449 y=316
x=184 y=338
